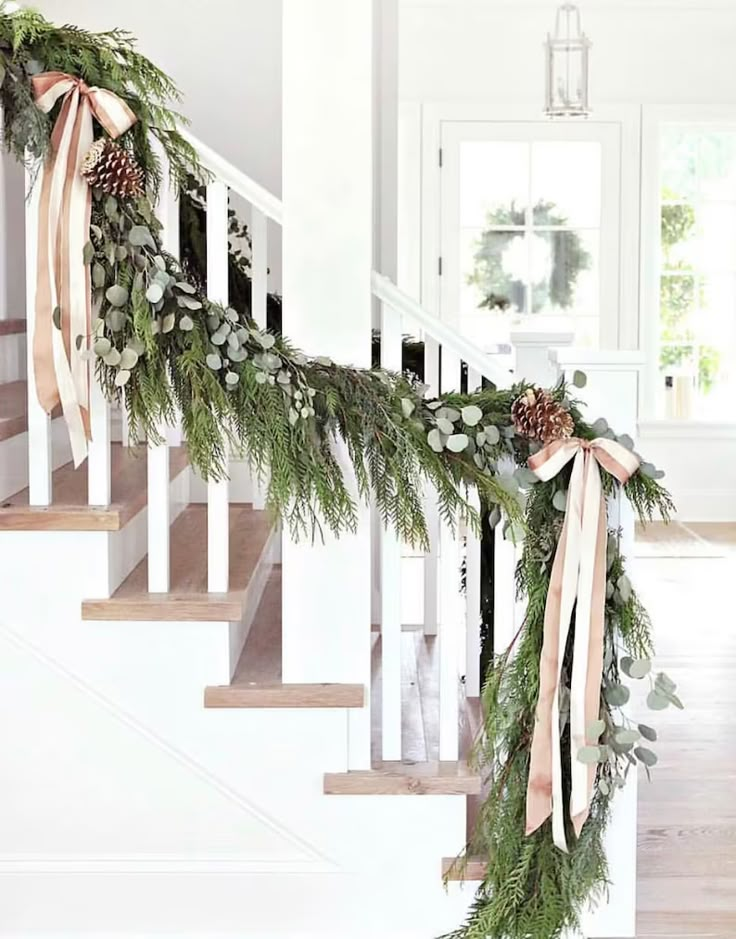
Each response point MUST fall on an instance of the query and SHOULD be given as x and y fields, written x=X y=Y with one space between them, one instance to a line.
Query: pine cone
x=112 y=169
x=538 y=416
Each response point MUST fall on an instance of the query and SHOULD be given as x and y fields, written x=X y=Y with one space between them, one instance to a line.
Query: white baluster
x=159 y=511
x=451 y=612
x=431 y=558
x=218 y=510
x=259 y=304
x=100 y=455
x=39 y=423
x=473 y=678
x=391 y=349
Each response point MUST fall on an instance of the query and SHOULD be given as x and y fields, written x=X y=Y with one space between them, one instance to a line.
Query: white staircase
x=188 y=747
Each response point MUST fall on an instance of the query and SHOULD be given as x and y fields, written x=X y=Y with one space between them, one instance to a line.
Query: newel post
x=612 y=391
x=327 y=260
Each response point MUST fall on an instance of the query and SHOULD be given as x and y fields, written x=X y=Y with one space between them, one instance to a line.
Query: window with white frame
x=697 y=272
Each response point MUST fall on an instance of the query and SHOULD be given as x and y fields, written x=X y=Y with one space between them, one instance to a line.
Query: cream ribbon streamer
x=578 y=574
x=62 y=278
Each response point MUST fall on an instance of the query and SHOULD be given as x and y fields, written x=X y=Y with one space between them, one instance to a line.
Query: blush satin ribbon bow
x=62 y=278
x=578 y=574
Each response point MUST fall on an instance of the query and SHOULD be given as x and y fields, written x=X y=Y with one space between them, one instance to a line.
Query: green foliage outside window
x=679 y=297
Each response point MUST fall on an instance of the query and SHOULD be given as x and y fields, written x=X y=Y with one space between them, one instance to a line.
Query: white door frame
x=623 y=333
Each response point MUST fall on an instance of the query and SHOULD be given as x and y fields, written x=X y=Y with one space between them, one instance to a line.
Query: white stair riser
x=12 y=358
x=14 y=458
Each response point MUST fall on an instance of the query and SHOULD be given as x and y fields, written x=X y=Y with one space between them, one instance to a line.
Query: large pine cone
x=112 y=169
x=538 y=416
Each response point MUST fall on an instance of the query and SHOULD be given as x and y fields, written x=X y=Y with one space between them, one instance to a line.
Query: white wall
x=645 y=53
x=648 y=50
x=225 y=56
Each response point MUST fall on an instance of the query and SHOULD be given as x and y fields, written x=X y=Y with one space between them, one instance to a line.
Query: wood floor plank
x=433 y=778
x=188 y=598
x=70 y=512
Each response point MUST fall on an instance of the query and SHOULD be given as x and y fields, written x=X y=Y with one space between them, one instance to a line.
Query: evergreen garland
x=162 y=347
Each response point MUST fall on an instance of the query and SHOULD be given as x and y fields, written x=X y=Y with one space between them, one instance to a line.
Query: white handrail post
x=451 y=617
x=473 y=678
x=612 y=390
x=431 y=557
x=218 y=508
x=99 y=480
x=391 y=350
x=159 y=510
x=259 y=302
x=39 y=422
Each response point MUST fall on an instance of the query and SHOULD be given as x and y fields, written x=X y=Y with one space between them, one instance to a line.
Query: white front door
x=530 y=228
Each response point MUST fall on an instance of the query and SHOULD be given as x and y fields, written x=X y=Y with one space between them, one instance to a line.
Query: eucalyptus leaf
x=449 y=414
x=594 y=730
x=640 y=668
x=186 y=324
x=656 y=701
x=407 y=407
x=215 y=362
x=102 y=346
x=154 y=293
x=116 y=295
x=471 y=415
x=218 y=338
x=98 y=275
x=623 y=584
x=434 y=439
x=266 y=340
x=115 y=320
x=617 y=695
x=232 y=378
x=648 y=733
x=190 y=303
x=589 y=755
x=122 y=378
x=646 y=756
x=604 y=787
x=88 y=253
x=626 y=736
x=112 y=358
x=493 y=435
x=559 y=500
x=128 y=358
x=600 y=427
x=579 y=379
x=139 y=235
x=168 y=322
x=445 y=427
x=456 y=443
x=56 y=317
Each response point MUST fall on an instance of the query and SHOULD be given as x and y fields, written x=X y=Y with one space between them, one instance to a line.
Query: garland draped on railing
x=163 y=348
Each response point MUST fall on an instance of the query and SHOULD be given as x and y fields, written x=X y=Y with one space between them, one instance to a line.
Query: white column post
x=327 y=259
x=218 y=508
x=391 y=561
x=39 y=423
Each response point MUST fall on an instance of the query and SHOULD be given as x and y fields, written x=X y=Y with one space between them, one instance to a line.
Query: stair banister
x=258 y=196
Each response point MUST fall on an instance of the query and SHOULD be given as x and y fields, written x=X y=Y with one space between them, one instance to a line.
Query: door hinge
x=439 y=266
x=439 y=157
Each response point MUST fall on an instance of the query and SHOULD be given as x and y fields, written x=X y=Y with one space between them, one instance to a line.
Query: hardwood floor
x=687 y=815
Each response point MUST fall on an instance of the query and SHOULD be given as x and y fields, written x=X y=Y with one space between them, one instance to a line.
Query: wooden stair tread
x=188 y=598
x=69 y=511
x=257 y=680
x=11 y=327
x=14 y=408
x=429 y=778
